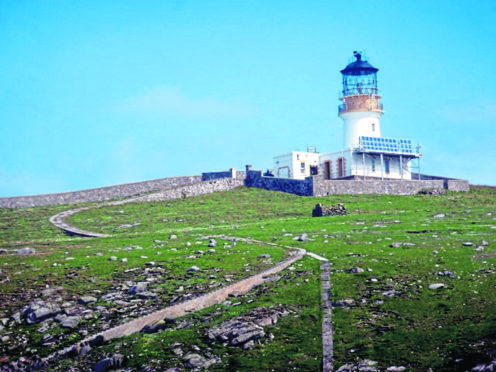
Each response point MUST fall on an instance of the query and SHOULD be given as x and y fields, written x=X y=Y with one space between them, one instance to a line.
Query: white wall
x=356 y=124
x=380 y=171
x=295 y=165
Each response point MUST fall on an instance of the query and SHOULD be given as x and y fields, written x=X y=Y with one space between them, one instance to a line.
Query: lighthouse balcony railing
x=361 y=106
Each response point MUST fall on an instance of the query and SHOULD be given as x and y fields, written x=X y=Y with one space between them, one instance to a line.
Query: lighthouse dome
x=359 y=67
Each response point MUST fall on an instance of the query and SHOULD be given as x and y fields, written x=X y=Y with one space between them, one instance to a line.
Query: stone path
x=327 y=341
x=206 y=300
x=214 y=297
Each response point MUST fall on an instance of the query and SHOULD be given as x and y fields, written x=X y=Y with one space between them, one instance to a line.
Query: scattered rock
x=112 y=258
x=479 y=249
x=440 y=215
x=147 y=295
x=431 y=192
x=139 y=287
x=194 y=269
x=172 y=237
x=436 y=286
x=26 y=250
x=197 y=361
x=41 y=310
x=447 y=273
x=467 y=244
x=355 y=270
x=114 y=362
x=399 y=244
x=236 y=332
x=249 y=345
x=302 y=238
x=154 y=327
x=365 y=365
x=329 y=210
x=344 y=303
x=87 y=300
x=264 y=256
x=212 y=243
x=70 y=322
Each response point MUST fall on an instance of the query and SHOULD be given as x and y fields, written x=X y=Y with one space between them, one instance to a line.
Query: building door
x=341 y=167
x=387 y=166
x=327 y=170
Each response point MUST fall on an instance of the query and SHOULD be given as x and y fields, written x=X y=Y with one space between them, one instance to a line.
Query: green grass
x=395 y=320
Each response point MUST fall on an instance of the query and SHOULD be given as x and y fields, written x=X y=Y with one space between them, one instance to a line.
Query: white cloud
x=165 y=101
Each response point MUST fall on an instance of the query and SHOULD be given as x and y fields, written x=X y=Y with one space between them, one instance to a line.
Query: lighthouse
x=365 y=153
x=361 y=109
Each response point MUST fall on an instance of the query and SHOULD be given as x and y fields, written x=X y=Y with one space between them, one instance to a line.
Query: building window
x=373 y=127
x=297 y=157
x=372 y=162
x=302 y=167
x=386 y=166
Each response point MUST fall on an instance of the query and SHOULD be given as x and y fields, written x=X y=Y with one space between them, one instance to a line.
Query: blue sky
x=98 y=93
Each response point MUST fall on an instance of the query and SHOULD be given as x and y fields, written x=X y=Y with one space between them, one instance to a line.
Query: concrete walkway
x=327 y=339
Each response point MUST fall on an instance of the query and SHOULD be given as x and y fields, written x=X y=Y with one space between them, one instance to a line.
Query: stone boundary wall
x=196 y=189
x=201 y=188
x=98 y=194
x=231 y=173
x=315 y=185
x=323 y=187
x=297 y=187
x=458 y=185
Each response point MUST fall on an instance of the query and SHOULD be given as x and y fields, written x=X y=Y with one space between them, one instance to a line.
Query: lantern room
x=359 y=77
x=360 y=91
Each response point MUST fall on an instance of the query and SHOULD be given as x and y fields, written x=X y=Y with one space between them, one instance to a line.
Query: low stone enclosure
x=211 y=181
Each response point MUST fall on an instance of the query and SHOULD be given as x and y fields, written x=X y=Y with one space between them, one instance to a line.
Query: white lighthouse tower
x=365 y=154
x=361 y=109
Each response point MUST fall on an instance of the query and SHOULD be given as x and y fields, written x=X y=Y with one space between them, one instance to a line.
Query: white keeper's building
x=365 y=154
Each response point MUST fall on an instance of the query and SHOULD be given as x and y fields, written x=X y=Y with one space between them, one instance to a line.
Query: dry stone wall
x=298 y=187
x=98 y=194
x=323 y=187
x=315 y=185
x=196 y=189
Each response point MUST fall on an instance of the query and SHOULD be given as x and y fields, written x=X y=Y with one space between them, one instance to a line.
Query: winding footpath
x=212 y=298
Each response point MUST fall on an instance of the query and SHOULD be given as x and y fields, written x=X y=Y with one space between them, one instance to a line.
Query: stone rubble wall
x=323 y=187
x=297 y=187
x=458 y=185
x=196 y=189
x=98 y=194
x=315 y=185
x=231 y=173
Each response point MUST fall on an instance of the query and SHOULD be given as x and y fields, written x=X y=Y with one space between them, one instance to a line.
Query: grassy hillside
x=385 y=256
